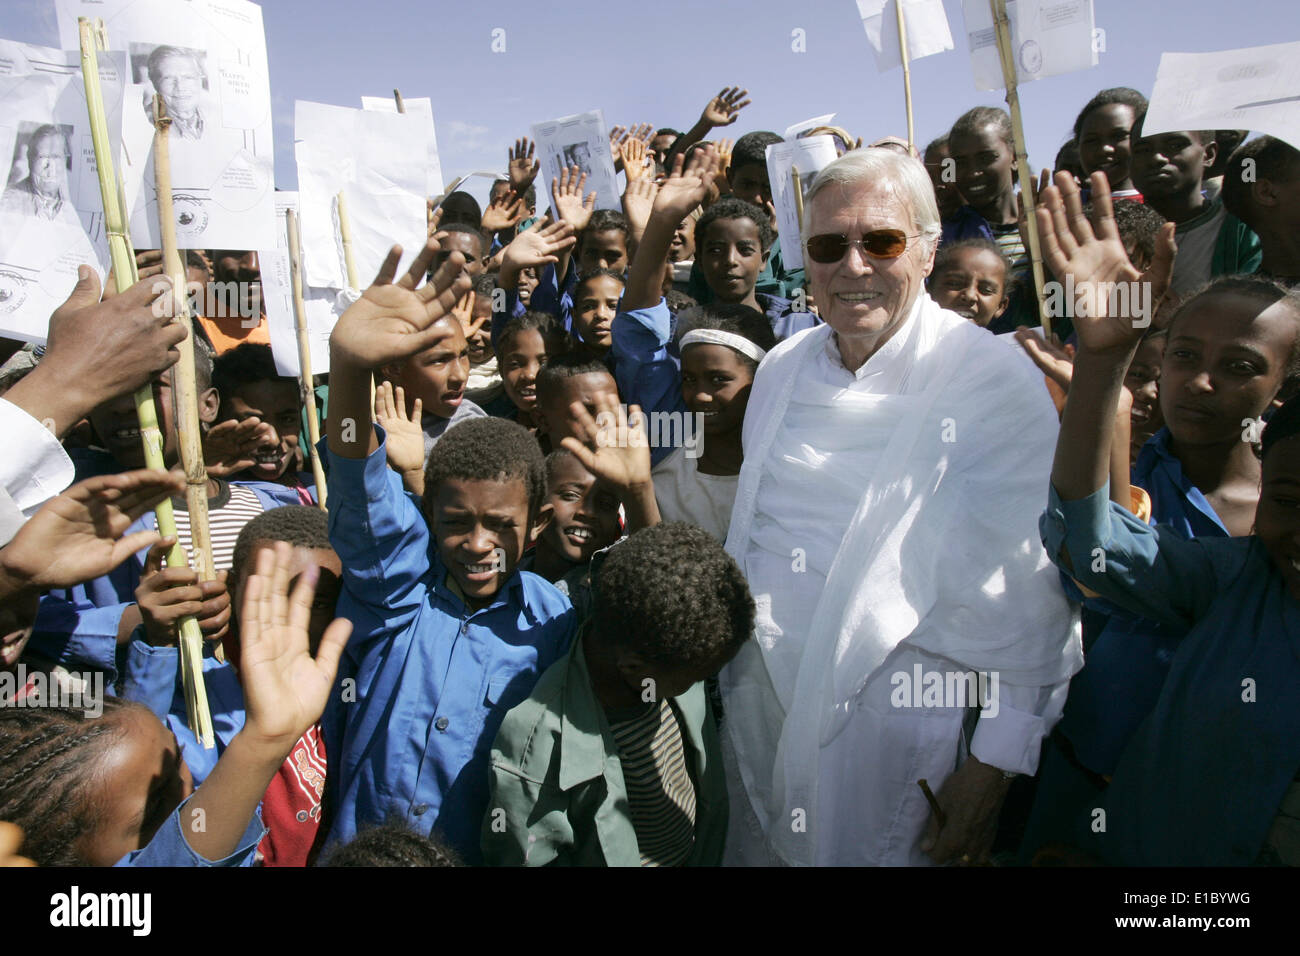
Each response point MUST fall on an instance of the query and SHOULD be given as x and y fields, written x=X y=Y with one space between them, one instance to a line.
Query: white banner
x=809 y=156
x=420 y=110
x=927 y=29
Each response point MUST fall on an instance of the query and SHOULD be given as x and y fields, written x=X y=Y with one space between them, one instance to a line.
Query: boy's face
x=716 y=383
x=468 y=244
x=118 y=427
x=1277 y=516
x=1169 y=165
x=945 y=193
x=985 y=166
x=682 y=247
x=1104 y=142
x=584 y=512
x=606 y=249
x=437 y=376
x=731 y=256
x=1224 y=362
x=328 y=585
x=1143 y=380
x=276 y=403
x=595 y=303
x=972 y=284
x=668 y=681
x=242 y=268
x=480 y=344
x=750 y=183
x=482 y=529
x=661 y=144
x=520 y=362
x=585 y=389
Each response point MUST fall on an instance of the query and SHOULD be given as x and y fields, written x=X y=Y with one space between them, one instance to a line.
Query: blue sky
x=660 y=61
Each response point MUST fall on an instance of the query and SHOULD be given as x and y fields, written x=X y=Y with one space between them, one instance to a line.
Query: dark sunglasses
x=879 y=244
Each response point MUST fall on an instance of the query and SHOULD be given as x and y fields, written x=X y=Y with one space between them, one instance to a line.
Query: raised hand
x=566 y=198
x=616 y=136
x=537 y=247
x=434 y=216
x=405 y=446
x=77 y=536
x=285 y=689
x=685 y=188
x=633 y=152
x=724 y=164
x=638 y=203
x=1055 y=361
x=229 y=446
x=523 y=168
x=464 y=311
x=396 y=319
x=614 y=447
x=165 y=595
x=505 y=212
x=1093 y=254
x=724 y=109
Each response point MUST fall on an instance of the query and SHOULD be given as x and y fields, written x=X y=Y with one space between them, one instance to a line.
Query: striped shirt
x=660 y=791
x=232 y=508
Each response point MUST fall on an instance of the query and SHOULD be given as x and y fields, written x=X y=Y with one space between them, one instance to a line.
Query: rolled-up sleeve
x=170 y=848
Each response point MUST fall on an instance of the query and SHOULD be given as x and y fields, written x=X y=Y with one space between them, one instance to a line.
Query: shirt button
x=419 y=809
x=441 y=723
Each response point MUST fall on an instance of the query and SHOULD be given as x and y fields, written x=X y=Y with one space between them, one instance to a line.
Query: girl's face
x=973 y=284
x=682 y=247
x=985 y=166
x=1224 y=363
x=1104 y=143
x=527 y=283
x=1143 y=380
x=144 y=779
x=594 y=307
x=716 y=382
x=1277 y=517
x=521 y=360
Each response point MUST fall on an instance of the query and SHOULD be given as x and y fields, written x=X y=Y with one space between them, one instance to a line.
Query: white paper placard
x=1048 y=37
x=579 y=140
x=51 y=212
x=378 y=160
x=1257 y=88
x=792 y=132
x=927 y=29
x=420 y=110
x=207 y=58
x=810 y=155
x=277 y=293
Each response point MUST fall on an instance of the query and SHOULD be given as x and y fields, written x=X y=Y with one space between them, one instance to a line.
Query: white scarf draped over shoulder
x=951 y=445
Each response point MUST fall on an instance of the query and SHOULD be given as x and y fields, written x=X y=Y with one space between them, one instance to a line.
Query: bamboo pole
x=798 y=195
x=907 y=72
x=345 y=233
x=1002 y=27
x=397 y=98
x=123 y=259
x=305 y=389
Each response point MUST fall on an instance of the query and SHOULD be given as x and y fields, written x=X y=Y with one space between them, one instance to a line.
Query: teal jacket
x=558 y=796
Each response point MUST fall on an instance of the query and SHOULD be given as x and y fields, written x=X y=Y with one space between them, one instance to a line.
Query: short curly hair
x=487 y=449
x=570 y=364
x=243 y=365
x=392 y=844
x=673 y=594
x=300 y=525
x=732 y=208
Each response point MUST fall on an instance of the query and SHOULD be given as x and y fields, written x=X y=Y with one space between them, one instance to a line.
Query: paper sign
x=792 y=132
x=1048 y=37
x=277 y=293
x=1257 y=88
x=207 y=59
x=419 y=109
x=808 y=155
x=583 y=141
x=51 y=212
x=927 y=29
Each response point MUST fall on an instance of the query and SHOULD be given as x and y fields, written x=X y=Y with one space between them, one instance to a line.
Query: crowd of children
x=499 y=645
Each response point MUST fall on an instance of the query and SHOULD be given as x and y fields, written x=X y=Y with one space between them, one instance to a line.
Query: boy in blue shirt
x=449 y=634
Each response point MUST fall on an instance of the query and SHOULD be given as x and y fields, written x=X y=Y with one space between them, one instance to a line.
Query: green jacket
x=558 y=796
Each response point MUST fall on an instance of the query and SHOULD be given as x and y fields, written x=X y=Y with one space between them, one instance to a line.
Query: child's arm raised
x=285 y=690
x=616 y=449
x=722 y=110
x=683 y=190
x=405 y=437
x=390 y=322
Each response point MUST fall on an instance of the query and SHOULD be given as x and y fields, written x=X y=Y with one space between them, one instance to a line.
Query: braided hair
x=47 y=758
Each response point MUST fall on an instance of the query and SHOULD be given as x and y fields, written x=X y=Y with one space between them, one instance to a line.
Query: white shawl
x=943 y=549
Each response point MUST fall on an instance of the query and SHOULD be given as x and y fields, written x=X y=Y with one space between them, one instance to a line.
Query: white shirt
x=684 y=493
x=34 y=467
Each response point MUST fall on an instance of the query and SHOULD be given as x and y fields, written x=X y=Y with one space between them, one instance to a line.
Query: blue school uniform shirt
x=77 y=627
x=646 y=365
x=1201 y=781
x=169 y=848
x=1127 y=663
x=424 y=682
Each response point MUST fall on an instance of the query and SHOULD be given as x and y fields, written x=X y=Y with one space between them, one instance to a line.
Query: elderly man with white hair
x=910 y=626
